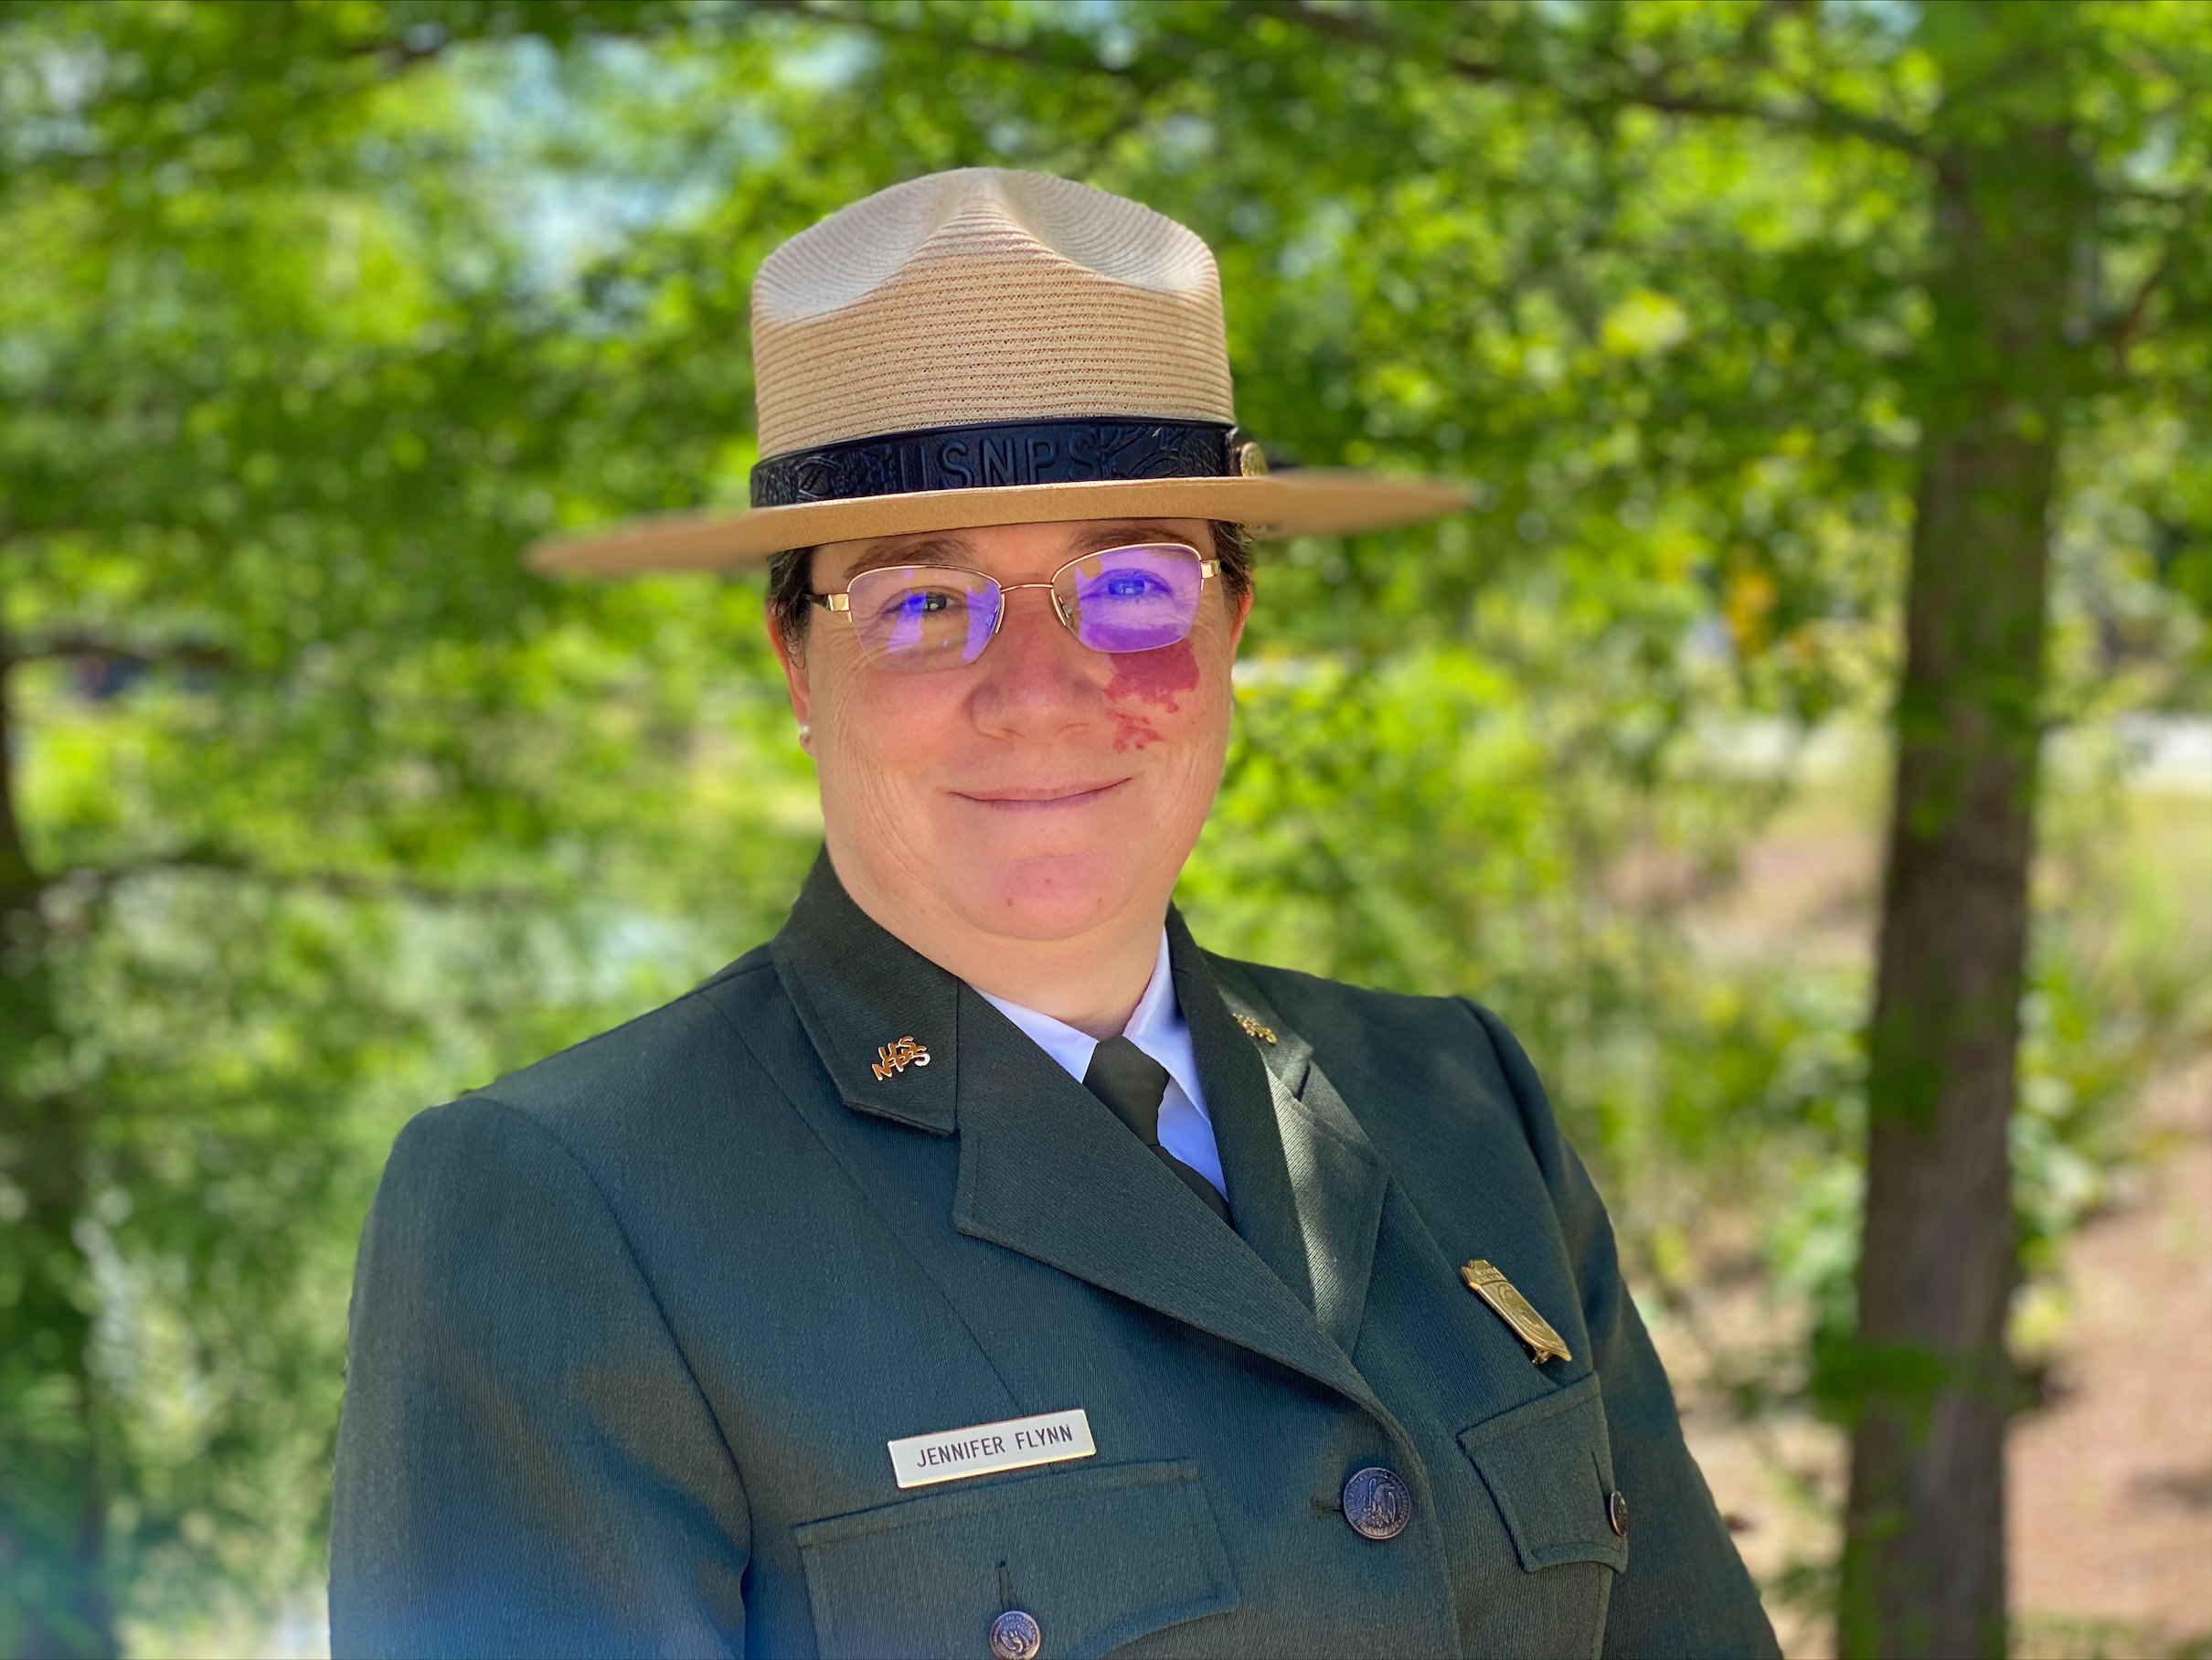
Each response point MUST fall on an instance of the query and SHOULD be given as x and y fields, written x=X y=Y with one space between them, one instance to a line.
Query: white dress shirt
x=1159 y=1029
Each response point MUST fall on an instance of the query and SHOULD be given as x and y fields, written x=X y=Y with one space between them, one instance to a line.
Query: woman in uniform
x=980 y=1267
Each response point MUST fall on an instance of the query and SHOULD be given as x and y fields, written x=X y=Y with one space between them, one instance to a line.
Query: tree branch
x=2122 y=330
x=2195 y=201
x=342 y=884
x=402 y=53
x=432 y=38
x=830 y=11
x=1813 y=113
x=83 y=644
x=1818 y=116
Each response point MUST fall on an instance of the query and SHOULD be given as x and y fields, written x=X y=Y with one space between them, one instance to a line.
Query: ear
x=1243 y=616
x=794 y=678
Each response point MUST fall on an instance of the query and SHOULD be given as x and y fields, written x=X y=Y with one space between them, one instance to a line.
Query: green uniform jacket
x=632 y=1327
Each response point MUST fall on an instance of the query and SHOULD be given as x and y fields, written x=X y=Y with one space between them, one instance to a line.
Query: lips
x=1041 y=798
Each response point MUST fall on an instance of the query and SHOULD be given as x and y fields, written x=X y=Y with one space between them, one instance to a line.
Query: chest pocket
x=1096 y=1557
x=1549 y=1467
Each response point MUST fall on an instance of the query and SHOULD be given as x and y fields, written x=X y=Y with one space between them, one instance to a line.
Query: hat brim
x=1307 y=501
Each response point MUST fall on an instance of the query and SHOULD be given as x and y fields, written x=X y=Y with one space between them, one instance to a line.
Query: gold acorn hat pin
x=1509 y=1305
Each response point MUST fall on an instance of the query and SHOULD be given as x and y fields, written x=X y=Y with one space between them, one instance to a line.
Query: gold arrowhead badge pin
x=1509 y=1305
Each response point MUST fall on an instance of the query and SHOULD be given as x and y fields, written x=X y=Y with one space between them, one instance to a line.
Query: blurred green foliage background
x=320 y=810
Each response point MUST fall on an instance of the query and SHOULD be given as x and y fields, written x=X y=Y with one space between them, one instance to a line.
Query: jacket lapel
x=1047 y=1170
x=858 y=991
x=1306 y=1184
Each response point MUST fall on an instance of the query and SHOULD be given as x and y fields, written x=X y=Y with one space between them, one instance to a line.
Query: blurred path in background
x=2111 y=1485
x=2110 y=1500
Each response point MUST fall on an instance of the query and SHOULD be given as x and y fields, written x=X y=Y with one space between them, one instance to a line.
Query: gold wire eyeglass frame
x=842 y=603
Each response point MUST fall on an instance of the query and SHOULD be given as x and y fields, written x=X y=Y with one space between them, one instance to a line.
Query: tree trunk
x=1931 y=1386
x=53 y=1516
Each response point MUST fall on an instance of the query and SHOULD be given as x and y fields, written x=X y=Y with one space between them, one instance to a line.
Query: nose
x=1037 y=679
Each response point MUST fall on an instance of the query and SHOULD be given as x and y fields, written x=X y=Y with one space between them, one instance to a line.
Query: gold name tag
x=981 y=1449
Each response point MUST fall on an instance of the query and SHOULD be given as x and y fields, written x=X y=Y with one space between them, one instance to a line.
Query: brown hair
x=791 y=579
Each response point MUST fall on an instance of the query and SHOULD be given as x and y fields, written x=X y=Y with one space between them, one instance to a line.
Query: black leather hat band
x=989 y=455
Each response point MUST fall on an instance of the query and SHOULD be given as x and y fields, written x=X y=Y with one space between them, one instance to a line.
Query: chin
x=1050 y=895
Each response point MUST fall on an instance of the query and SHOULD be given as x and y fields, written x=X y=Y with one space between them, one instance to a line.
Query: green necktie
x=1133 y=1084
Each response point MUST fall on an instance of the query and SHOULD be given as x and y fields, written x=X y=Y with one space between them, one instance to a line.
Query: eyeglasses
x=913 y=618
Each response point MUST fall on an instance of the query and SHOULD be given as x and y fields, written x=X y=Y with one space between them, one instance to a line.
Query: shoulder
x=1441 y=1059
x=1395 y=1029
x=647 y=1087
x=1313 y=1004
x=682 y=1045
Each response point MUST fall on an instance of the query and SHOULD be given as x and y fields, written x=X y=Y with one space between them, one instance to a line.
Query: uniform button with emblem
x=1616 y=1512
x=1015 y=1635
x=1376 y=1502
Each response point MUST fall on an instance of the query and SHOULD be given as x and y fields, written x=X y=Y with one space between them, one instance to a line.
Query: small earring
x=806 y=734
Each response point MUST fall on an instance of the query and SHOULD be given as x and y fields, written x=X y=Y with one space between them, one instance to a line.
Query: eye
x=923 y=602
x=1129 y=584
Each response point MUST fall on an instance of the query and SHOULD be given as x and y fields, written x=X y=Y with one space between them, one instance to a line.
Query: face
x=1042 y=791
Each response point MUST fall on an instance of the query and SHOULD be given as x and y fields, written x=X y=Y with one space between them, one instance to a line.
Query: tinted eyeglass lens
x=1132 y=598
x=916 y=617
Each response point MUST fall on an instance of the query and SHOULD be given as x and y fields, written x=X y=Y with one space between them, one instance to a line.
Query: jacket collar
x=859 y=990
x=1048 y=1171
x=1315 y=1183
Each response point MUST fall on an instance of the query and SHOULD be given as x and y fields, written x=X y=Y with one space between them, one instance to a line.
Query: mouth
x=1040 y=798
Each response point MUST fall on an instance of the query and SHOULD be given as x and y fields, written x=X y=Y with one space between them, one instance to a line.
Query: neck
x=1091 y=981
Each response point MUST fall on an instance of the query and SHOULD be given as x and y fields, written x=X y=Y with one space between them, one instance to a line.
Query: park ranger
x=980 y=1267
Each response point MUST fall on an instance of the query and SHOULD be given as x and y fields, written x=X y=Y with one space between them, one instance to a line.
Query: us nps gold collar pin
x=1509 y=1305
x=897 y=1056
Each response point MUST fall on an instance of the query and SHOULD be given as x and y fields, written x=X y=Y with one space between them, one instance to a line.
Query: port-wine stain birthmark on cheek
x=1156 y=678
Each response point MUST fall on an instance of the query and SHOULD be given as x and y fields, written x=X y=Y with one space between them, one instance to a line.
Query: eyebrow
x=956 y=549
x=929 y=550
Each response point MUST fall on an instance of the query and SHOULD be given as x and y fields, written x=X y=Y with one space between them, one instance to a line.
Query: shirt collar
x=1157 y=1028
x=859 y=991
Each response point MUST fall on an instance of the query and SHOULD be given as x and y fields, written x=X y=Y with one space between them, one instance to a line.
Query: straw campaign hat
x=987 y=347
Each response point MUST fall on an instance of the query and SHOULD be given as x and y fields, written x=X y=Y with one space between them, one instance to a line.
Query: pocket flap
x=1098 y=1557
x=1549 y=1468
